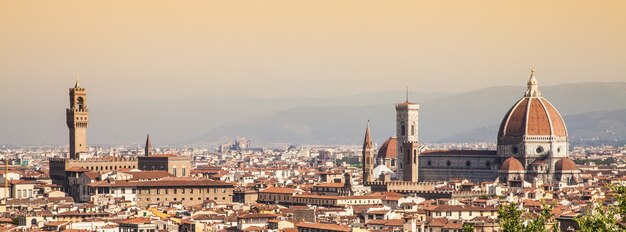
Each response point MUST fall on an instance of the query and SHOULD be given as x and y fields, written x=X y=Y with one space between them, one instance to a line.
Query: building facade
x=187 y=192
x=532 y=147
x=179 y=166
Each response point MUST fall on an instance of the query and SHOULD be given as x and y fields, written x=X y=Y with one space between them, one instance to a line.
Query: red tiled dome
x=388 y=149
x=511 y=165
x=565 y=164
x=532 y=115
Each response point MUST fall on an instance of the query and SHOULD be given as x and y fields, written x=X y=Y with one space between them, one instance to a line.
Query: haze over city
x=148 y=52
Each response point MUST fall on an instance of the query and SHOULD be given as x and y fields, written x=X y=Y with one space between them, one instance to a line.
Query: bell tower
x=407 y=114
x=368 y=156
x=77 y=119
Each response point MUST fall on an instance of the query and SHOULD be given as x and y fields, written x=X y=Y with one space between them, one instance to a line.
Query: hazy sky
x=174 y=49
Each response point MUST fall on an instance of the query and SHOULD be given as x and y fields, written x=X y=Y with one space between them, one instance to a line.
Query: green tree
x=598 y=219
x=467 y=227
x=604 y=218
x=510 y=217
x=619 y=192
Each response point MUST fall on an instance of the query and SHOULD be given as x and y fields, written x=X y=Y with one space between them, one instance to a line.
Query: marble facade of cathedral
x=532 y=147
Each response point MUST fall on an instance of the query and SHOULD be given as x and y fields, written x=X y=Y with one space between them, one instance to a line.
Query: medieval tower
x=408 y=144
x=368 y=156
x=77 y=119
x=148 y=148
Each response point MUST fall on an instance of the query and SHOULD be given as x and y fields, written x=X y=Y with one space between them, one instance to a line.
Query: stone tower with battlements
x=77 y=120
x=408 y=143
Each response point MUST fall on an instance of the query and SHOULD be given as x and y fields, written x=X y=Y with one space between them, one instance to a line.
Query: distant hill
x=168 y=121
x=592 y=127
x=299 y=120
x=464 y=117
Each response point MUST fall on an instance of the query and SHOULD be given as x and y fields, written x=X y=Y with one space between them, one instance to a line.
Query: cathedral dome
x=388 y=149
x=532 y=115
x=511 y=165
x=565 y=164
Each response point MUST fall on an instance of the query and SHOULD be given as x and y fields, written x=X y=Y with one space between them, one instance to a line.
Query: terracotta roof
x=137 y=221
x=56 y=223
x=324 y=226
x=565 y=164
x=92 y=175
x=279 y=190
x=511 y=164
x=253 y=228
x=156 y=183
x=330 y=185
x=453 y=226
x=437 y=222
x=445 y=208
x=532 y=115
x=388 y=149
x=257 y=215
x=388 y=222
x=150 y=175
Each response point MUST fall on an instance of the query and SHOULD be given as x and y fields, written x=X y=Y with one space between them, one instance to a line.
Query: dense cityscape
x=399 y=185
x=312 y=116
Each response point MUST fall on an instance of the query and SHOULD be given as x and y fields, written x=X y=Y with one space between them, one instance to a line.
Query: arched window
x=184 y=171
x=402 y=129
x=80 y=103
x=412 y=129
x=174 y=171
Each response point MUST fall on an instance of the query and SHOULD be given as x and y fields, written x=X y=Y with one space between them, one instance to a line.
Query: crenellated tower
x=407 y=114
x=77 y=120
x=368 y=156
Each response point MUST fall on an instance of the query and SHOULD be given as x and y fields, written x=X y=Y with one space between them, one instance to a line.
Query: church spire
x=367 y=142
x=148 y=149
x=533 y=87
x=368 y=156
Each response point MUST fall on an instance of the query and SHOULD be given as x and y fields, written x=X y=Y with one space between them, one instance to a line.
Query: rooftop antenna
x=407 y=94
